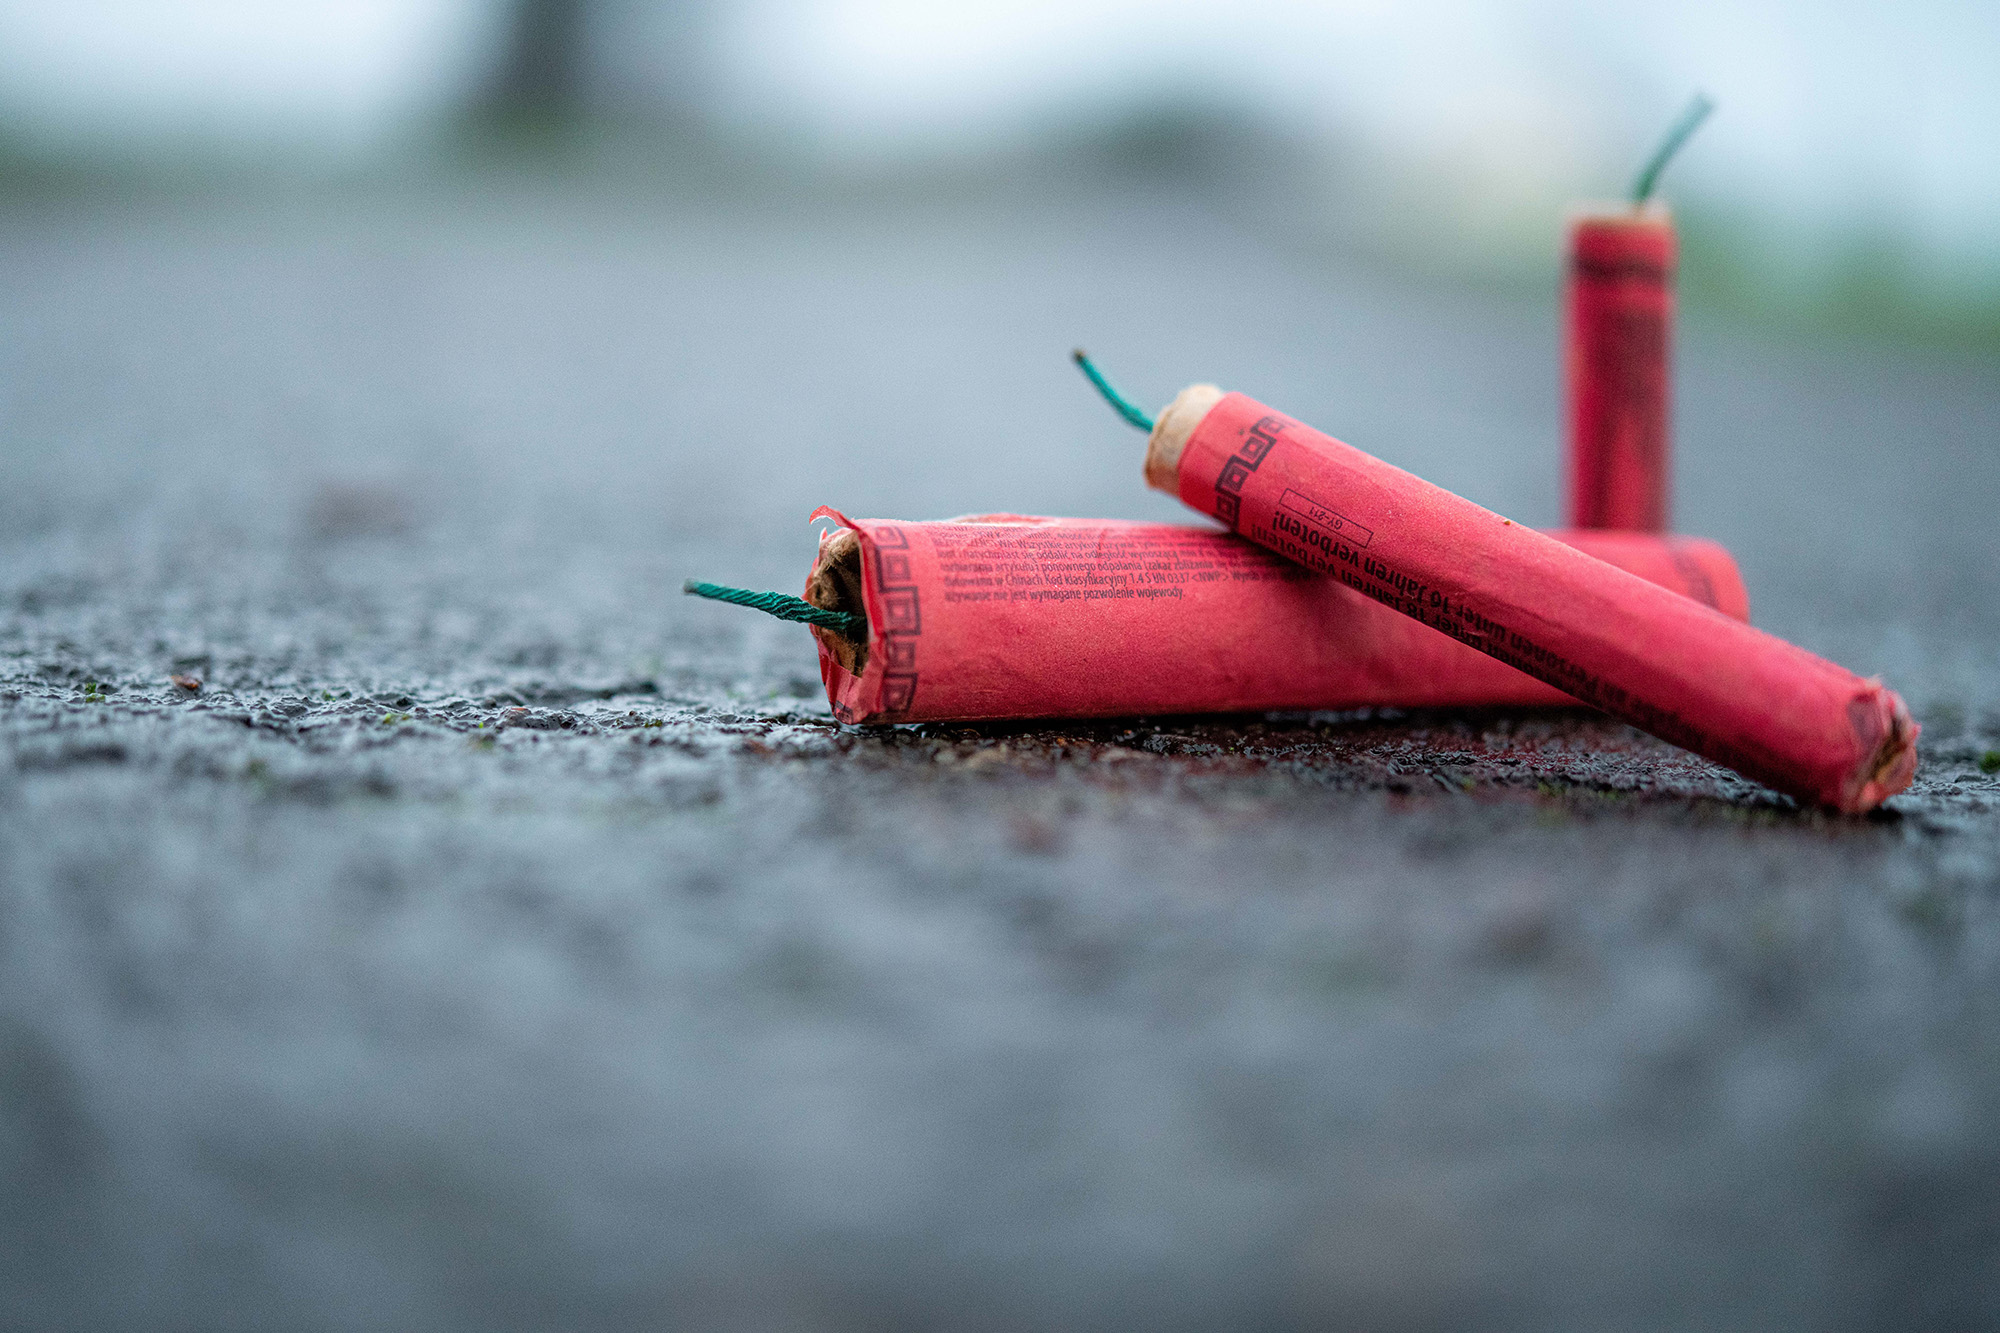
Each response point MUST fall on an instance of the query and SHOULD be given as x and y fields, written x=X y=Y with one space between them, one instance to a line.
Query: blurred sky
x=1836 y=116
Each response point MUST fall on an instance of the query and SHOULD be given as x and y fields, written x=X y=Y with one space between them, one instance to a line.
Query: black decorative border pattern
x=1257 y=445
x=901 y=616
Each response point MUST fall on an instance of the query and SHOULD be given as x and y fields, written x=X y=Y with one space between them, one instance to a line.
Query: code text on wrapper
x=1437 y=609
x=1071 y=565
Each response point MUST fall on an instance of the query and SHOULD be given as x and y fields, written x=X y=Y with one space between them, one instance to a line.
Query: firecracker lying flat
x=1644 y=653
x=1005 y=616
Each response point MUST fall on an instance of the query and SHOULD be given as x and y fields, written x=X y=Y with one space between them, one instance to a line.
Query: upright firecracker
x=1618 y=334
x=1618 y=325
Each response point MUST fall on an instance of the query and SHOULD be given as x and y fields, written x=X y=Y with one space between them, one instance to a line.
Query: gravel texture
x=498 y=939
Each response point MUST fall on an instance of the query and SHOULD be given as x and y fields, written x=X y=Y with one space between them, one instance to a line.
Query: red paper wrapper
x=1002 y=616
x=1681 y=670
x=1618 y=324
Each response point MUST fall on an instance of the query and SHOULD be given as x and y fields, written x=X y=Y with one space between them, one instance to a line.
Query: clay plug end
x=1171 y=433
x=1892 y=759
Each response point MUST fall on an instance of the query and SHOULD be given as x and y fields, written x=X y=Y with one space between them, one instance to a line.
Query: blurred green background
x=1849 y=186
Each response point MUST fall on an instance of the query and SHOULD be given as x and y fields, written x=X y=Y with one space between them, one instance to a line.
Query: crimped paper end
x=1172 y=430
x=1892 y=761
x=835 y=585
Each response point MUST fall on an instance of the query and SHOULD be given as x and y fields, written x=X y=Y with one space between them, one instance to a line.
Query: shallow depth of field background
x=1852 y=172
x=501 y=939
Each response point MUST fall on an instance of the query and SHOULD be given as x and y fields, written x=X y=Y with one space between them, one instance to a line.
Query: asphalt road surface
x=501 y=940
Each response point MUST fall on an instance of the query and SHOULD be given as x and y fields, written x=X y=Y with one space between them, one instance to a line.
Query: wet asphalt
x=498 y=939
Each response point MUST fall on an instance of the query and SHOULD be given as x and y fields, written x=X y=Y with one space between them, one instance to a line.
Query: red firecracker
x=1618 y=334
x=1681 y=670
x=1003 y=616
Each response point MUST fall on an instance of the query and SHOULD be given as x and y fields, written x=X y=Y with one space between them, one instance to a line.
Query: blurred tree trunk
x=562 y=62
x=540 y=75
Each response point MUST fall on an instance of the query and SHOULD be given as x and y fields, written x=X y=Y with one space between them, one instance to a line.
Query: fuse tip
x=1124 y=406
x=784 y=606
x=1677 y=134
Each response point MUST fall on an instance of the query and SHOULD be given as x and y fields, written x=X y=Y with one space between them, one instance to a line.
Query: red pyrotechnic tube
x=1008 y=616
x=1618 y=331
x=1618 y=316
x=1683 y=671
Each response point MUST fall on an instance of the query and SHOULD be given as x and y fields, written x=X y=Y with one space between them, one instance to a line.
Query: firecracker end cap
x=1623 y=243
x=1879 y=715
x=1172 y=430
